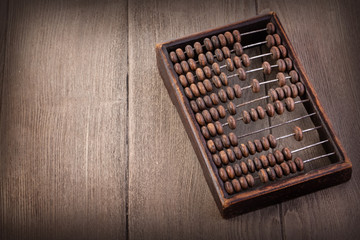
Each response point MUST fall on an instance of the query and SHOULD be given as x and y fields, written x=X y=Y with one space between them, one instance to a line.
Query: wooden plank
x=168 y=197
x=3 y=25
x=323 y=34
x=64 y=121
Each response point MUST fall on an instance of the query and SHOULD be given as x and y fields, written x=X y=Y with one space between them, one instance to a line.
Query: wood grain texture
x=64 y=121
x=168 y=195
x=323 y=34
x=3 y=28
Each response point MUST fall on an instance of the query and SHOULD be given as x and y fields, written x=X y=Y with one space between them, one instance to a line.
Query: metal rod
x=318 y=157
x=309 y=146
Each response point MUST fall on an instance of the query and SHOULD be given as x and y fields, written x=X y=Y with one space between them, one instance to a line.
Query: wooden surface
x=91 y=146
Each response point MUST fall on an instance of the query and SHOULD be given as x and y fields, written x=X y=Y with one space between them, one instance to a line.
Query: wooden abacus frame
x=230 y=205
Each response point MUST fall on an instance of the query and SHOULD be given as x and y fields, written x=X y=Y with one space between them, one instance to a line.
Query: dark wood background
x=92 y=147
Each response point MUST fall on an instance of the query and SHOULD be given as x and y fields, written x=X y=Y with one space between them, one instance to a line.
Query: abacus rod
x=273 y=80
x=309 y=146
x=254 y=44
x=260 y=68
x=261 y=55
x=254 y=31
x=310 y=129
x=318 y=157
x=292 y=134
x=251 y=101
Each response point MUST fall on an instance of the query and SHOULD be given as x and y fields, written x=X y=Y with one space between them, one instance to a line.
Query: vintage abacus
x=252 y=115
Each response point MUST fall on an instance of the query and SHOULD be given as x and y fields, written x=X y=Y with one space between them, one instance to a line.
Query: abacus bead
x=282 y=50
x=188 y=93
x=183 y=80
x=267 y=68
x=222 y=95
x=287 y=91
x=216 y=160
x=237 y=35
x=231 y=155
x=246 y=117
x=190 y=77
x=265 y=143
x=301 y=88
x=236 y=185
x=195 y=90
x=208 y=44
x=223 y=175
x=178 y=68
x=214 y=113
x=200 y=119
x=222 y=111
x=250 y=165
x=281 y=65
x=224 y=79
x=289 y=64
x=272 y=141
x=278 y=156
x=201 y=104
x=271 y=173
x=222 y=39
x=279 y=107
x=211 y=146
x=198 y=48
x=275 y=53
x=237 y=90
x=264 y=161
x=237 y=62
x=216 y=81
x=224 y=157
x=257 y=163
x=212 y=129
x=263 y=176
x=244 y=168
x=180 y=54
x=278 y=171
x=254 y=114
x=219 y=128
x=205 y=132
x=294 y=91
x=185 y=66
x=245 y=60
x=255 y=86
x=280 y=92
x=285 y=168
x=237 y=170
x=229 y=38
x=261 y=112
x=241 y=73
x=219 y=54
x=251 y=147
x=238 y=49
x=292 y=166
x=189 y=51
x=229 y=64
x=290 y=104
x=298 y=133
x=225 y=141
x=173 y=57
x=233 y=139
x=218 y=144
x=277 y=39
x=273 y=95
x=192 y=64
x=231 y=108
x=270 y=41
x=270 y=28
x=270 y=110
x=216 y=68
x=271 y=159
x=232 y=122
x=202 y=59
x=258 y=145
x=226 y=52
x=229 y=188
x=214 y=98
x=281 y=79
x=207 y=116
x=237 y=152
x=244 y=184
x=299 y=164
x=244 y=150
x=230 y=172
x=209 y=57
x=208 y=101
x=200 y=74
x=194 y=106
x=250 y=180
x=294 y=76
x=208 y=85
x=215 y=41
x=287 y=153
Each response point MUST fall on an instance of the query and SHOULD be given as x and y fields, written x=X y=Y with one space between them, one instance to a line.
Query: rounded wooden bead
x=287 y=91
x=215 y=41
x=232 y=122
x=189 y=51
x=278 y=171
x=283 y=50
x=207 y=116
x=215 y=98
x=278 y=156
x=261 y=112
x=273 y=95
x=198 y=48
x=202 y=59
x=241 y=74
x=264 y=161
x=290 y=104
x=233 y=139
x=226 y=52
x=229 y=38
x=211 y=146
x=230 y=93
x=231 y=155
x=231 y=108
x=270 y=41
x=195 y=90
x=236 y=185
x=246 y=117
x=208 y=44
x=183 y=81
x=245 y=60
x=225 y=141
x=271 y=173
x=255 y=86
x=270 y=110
x=219 y=128
x=298 y=133
x=294 y=91
x=257 y=163
x=275 y=53
x=237 y=170
x=237 y=152
x=205 y=132
x=299 y=164
x=223 y=175
x=224 y=79
x=263 y=176
x=214 y=114
x=200 y=74
x=281 y=65
x=201 y=104
x=180 y=54
x=200 y=119
x=243 y=182
x=192 y=64
x=251 y=147
x=229 y=188
x=267 y=68
x=281 y=79
x=194 y=106
x=265 y=143
x=178 y=68
x=258 y=145
x=238 y=49
x=272 y=141
x=294 y=76
x=279 y=107
x=244 y=168
x=222 y=111
x=188 y=93
x=212 y=129
x=217 y=160
x=207 y=72
x=271 y=159
x=280 y=92
x=222 y=95
x=207 y=85
x=289 y=64
x=244 y=150
x=301 y=88
x=216 y=81
x=229 y=64
x=218 y=144
x=287 y=153
x=237 y=35
x=190 y=77
x=219 y=54
x=208 y=102
x=173 y=57
x=216 y=68
x=292 y=166
x=209 y=57
x=253 y=114
x=222 y=39
x=237 y=90
x=250 y=165
x=250 y=180
x=237 y=62
x=277 y=39
x=270 y=28
x=230 y=172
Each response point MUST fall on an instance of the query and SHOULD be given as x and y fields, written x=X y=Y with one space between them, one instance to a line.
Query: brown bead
x=189 y=51
x=270 y=110
x=285 y=168
x=212 y=129
x=211 y=146
x=219 y=128
x=287 y=91
x=229 y=188
x=178 y=68
x=253 y=114
x=200 y=119
x=237 y=170
x=244 y=150
x=216 y=81
x=237 y=35
x=173 y=57
x=230 y=93
x=290 y=104
x=215 y=41
x=185 y=66
x=209 y=57
x=265 y=143
x=231 y=155
x=231 y=108
x=194 y=106
x=198 y=48
x=292 y=166
x=195 y=90
x=218 y=144
x=298 y=133
x=278 y=171
x=281 y=65
x=233 y=139
x=207 y=85
x=232 y=122
x=289 y=64
x=299 y=164
x=270 y=28
x=279 y=107
x=229 y=38
x=224 y=157
x=180 y=54
x=281 y=79
x=271 y=159
x=278 y=156
x=255 y=86
x=200 y=74
x=241 y=74
x=190 y=77
x=188 y=93
x=208 y=44
x=230 y=172
x=264 y=178
x=183 y=81
x=207 y=116
x=222 y=95
x=287 y=153
x=294 y=91
x=264 y=161
x=277 y=39
x=244 y=168
x=214 y=114
x=283 y=50
x=301 y=88
x=272 y=141
x=258 y=145
x=280 y=92
x=237 y=62
x=267 y=68
x=273 y=95
x=192 y=64
x=294 y=76
x=275 y=53
x=223 y=175
x=246 y=117
x=250 y=165
x=216 y=68
x=237 y=152
x=217 y=160
x=250 y=180
x=222 y=111
x=222 y=39
x=271 y=173
x=225 y=141
x=270 y=41
x=237 y=90
x=251 y=147
x=243 y=182
x=261 y=112
x=238 y=49
x=236 y=185
x=201 y=104
x=229 y=64
x=215 y=98
x=207 y=71
x=219 y=54
x=226 y=52
x=207 y=100
x=257 y=163
x=245 y=60
x=205 y=132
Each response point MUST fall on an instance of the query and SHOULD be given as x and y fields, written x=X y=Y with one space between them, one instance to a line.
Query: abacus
x=252 y=115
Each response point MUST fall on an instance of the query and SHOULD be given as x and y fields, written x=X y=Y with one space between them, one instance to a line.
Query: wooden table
x=92 y=147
